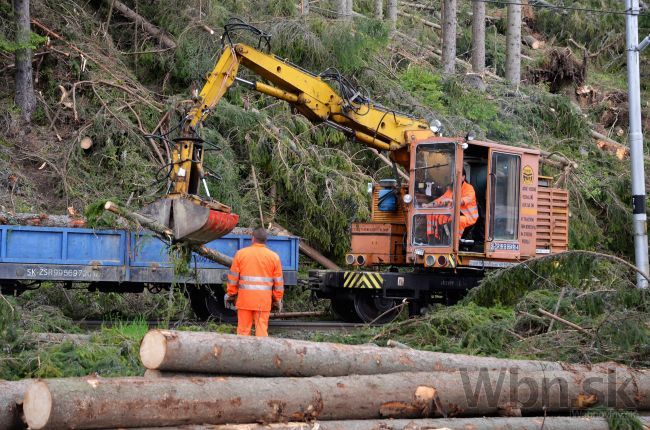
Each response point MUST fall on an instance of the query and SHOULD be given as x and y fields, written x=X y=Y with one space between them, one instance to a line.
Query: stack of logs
x=223 y=382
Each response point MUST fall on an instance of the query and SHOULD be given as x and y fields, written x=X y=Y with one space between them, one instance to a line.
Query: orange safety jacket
x=468 y=205
x=255 y=277
x=433 y=221
x=468 y=208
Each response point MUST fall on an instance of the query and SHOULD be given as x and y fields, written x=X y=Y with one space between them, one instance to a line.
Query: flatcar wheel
x=344 y=309
x=207 y=303
x=376 y=309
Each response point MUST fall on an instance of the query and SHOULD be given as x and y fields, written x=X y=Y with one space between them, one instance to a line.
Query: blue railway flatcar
x=123 y=261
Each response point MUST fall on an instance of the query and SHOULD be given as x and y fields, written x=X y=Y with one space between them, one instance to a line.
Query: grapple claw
x=192 y=219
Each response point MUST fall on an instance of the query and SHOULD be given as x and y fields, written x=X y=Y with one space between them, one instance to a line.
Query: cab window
x=504 y=211
x=434 y=173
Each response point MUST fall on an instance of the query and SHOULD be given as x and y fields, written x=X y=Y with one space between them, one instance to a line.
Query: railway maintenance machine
x=418 y=245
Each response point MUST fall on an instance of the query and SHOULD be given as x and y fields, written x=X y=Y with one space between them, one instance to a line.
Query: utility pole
x=640 y=227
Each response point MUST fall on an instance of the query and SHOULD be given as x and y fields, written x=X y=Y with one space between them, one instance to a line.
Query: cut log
x=206 y=352
x=621 y=151
x=11 y=399
x=532 y=43
x=306 y=248
x=154 y=374
x=485 y=423
x=100 y=403
x=74 y=338
x=139 y=219
x=156 y=32
x=41 y=220
x=86 y=143
x=606 y=144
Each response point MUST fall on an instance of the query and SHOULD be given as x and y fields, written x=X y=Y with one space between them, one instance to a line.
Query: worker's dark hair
x=260 y=235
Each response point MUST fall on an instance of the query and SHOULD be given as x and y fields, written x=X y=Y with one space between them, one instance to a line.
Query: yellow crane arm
x=310 y=94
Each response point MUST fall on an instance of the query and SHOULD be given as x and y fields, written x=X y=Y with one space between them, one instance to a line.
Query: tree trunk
x=101 y=403
x=42 y=220
x=391 y=13
x=342 y=8
x=73 y=338
x=167 y=233
x=531 y=42
x=513 y=44
x=449 y=36
x=156 y=32
x=350 y=9
x=224 y=354
x=306 y=249
x=422 y=20
x=304 y=11
x=11 y=399
x=389 y=163
x=478 y=37
x=485 y=423
x=155 y=374
x=24 y=98
x=379 y=9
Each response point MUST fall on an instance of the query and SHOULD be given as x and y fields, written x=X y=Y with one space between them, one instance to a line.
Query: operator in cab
x=255 y=285
x=468 y=208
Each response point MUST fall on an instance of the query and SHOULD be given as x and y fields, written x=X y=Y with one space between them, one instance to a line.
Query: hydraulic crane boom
x=310 y=94
x=467 y=206
x=195 y=219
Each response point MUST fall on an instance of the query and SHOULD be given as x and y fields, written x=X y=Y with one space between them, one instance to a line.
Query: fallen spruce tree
x=101 y=403
x=204 y=352
x=483 y=423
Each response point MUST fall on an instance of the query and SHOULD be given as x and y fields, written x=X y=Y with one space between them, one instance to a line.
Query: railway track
x=274 y=325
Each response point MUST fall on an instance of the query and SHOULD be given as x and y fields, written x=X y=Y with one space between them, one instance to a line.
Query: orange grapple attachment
x=192 y=219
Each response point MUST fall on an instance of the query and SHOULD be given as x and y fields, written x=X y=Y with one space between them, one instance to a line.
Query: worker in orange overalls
x=468 y=209
x=255 y=285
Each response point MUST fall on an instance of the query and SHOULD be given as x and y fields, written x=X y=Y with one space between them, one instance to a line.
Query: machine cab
x=490 y=214
x=503 y=212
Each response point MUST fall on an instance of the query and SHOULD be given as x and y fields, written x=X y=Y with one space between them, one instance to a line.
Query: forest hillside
x=100 y=76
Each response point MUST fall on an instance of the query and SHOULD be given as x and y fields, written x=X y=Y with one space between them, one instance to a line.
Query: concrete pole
x=639 y=218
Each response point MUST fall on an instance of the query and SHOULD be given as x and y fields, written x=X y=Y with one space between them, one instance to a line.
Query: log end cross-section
x=37 y=405
x=153 y=349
